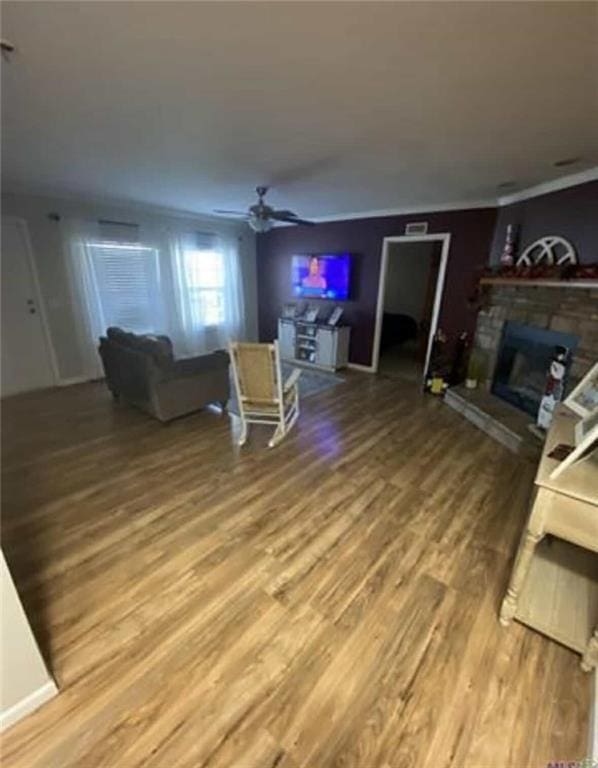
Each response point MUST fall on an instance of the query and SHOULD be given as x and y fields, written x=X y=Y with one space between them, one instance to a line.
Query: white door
x=26 y=362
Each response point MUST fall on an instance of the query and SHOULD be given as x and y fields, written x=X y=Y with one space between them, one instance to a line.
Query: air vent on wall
x=416 y=228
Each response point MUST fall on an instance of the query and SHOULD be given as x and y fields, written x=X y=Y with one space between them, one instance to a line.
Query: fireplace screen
x=522 y=363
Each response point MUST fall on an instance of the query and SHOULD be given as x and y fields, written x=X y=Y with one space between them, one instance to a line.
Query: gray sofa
x=142 y=370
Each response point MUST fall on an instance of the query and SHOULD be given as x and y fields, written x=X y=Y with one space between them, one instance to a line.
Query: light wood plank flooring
x=329 y=602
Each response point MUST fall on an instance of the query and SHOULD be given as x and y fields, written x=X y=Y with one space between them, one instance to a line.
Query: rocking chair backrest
x=257 y=371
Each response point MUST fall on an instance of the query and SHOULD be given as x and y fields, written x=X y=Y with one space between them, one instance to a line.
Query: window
x=186 y=285
x=127 y=284
x=205 y=282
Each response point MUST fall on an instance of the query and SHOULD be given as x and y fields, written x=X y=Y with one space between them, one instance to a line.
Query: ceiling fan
x=261 y=217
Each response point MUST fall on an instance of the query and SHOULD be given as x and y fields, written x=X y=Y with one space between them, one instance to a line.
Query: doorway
x=27 y=361
x=409 y=296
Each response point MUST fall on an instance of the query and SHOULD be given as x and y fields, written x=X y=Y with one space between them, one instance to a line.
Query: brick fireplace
x=571 y=312
x=562 y=308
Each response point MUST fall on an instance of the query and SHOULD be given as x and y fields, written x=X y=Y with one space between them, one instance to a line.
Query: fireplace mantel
x=532 y=283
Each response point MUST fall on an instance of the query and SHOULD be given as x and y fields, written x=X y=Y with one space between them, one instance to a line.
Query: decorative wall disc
x=549 y=250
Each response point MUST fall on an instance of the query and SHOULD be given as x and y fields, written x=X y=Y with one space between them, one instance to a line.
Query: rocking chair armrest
x=292 y=380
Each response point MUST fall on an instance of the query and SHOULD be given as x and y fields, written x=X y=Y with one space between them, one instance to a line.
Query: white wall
x=407 y=277
x=46 y=240
x=25 y=682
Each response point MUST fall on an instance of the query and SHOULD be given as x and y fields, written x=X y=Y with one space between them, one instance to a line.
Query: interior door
x=26 y=362
x=426 y=321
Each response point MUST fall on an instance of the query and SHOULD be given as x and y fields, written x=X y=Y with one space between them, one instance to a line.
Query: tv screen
x=322 y=276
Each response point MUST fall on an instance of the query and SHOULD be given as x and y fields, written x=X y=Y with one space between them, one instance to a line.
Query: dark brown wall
x=571 y=213
x=471 y=237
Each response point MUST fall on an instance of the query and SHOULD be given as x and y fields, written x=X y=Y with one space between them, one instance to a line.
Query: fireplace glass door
x=522 y=364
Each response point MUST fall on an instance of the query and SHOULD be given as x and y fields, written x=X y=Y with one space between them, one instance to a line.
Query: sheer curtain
x=208 y=288
x=185 y=284
x=89 y=325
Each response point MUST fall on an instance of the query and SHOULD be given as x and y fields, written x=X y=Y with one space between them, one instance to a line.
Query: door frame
x=445 y=239
x=21 y=225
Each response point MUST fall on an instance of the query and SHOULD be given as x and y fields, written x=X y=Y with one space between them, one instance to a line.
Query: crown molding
x=563 y=182
x=546 y=187
x=414 y=210
x=114 y=205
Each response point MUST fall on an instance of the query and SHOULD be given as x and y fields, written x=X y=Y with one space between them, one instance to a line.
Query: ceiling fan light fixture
x=259 y=224
x=261 y=217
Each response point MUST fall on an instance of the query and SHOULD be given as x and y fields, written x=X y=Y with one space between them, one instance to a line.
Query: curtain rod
x=56 y=217
x=118 y=223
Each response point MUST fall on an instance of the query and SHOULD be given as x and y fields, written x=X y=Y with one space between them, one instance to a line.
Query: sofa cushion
x=159 y=348
x=120 y=336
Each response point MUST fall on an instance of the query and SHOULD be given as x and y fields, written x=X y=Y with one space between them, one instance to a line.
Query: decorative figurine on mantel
x=507 y=257
x=553 y=393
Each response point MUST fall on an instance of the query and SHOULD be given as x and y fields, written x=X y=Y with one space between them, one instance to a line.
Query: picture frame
x=585 y=444
x=311 y=315
x=583 y=400
x=585 y=426
x=335 y=316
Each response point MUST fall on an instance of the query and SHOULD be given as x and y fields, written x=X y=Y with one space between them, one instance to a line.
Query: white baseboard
x=593 y=735
x=359 y=367
x=73 y=380
x=28 y=704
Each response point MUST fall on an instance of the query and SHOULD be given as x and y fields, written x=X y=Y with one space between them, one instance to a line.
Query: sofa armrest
x=194 y=366
x=184 y=394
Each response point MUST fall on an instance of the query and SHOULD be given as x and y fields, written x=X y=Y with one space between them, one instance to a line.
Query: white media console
x=316 y=345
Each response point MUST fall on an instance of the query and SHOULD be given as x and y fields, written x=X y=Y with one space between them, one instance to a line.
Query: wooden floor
x=329 y=602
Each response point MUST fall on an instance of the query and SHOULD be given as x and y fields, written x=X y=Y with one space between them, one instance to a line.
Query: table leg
x=520 y=569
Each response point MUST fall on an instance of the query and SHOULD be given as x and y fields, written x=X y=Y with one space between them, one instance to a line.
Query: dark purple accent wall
x=571 y=213
x=471 y=237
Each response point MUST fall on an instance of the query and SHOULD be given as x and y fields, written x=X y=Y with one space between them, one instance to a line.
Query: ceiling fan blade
x=281 y=216
x=244 y=214
x=285 y=213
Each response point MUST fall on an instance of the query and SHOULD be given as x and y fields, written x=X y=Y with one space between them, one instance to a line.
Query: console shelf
x=554 y=583
x=560 y=595
x=314 y=345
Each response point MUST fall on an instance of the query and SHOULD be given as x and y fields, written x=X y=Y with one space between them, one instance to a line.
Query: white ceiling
x=342 y=107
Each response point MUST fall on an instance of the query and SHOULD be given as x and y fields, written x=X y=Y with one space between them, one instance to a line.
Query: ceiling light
x=259 y=224
x=566 y=161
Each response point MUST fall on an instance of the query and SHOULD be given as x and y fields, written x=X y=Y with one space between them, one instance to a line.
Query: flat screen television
x=322 y=276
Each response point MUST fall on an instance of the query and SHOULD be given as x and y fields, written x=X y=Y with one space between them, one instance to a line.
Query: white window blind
x=127 y=283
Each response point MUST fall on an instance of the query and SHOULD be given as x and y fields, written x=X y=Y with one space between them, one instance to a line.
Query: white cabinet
x=314 y=344
x=325 y=347
x=286 y=338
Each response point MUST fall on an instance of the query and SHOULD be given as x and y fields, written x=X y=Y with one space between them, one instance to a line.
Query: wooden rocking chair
x=262 y=396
